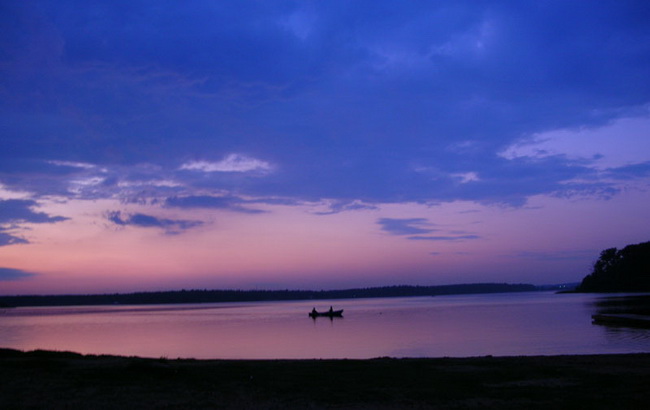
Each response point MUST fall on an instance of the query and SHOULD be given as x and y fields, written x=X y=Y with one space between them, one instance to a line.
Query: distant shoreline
x=222 y=296
x=58 y=380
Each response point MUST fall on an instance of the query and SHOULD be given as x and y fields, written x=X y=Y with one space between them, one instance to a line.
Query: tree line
x=620 y=270
x=217 y=296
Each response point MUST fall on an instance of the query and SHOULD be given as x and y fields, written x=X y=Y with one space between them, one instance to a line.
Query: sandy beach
x=58 y=380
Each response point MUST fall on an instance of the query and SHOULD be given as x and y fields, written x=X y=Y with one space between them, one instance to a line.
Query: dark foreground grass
x=61 y=380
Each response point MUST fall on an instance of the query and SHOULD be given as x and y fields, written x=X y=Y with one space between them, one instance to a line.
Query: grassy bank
x=56 y=380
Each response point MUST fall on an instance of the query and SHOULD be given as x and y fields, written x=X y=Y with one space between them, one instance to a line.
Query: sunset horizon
x=318 y=145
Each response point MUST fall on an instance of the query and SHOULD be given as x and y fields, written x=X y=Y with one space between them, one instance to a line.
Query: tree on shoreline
x=625 y=270
x=222 y=296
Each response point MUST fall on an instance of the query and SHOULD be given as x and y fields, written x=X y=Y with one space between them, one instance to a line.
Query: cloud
x=45 y=177
x=416 y=228
x=629 y=172
x=72 y=164
x=8 y=239
x=171 y=226
x=443 y=238
x=336 y=207
x=465 y=177
x=405 y=226
x=602 y=146
x=19 y=210
x=347 y=104
x=229 y=203
x=231 y=163
x=9 y=274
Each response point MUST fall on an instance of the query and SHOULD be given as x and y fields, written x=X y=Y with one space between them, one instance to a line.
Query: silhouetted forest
x=213 y=296
x=625 y=270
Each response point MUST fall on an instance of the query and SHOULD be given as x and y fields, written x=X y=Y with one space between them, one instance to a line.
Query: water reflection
x=635 y=334
x=464 y=325
x=638 y=304
x=625 y=333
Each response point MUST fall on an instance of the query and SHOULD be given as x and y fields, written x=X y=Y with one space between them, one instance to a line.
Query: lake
x=532 y=323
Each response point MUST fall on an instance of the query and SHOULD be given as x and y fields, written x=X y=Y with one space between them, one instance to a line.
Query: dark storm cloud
x=8 y=274
x=171 y=226
x=369 y=100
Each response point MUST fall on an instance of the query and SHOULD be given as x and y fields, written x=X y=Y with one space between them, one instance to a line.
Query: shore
x=57 y=380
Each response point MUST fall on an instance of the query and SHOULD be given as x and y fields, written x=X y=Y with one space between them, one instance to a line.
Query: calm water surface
x=465 y=325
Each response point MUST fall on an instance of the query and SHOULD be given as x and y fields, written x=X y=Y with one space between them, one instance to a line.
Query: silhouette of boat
x=330 y=313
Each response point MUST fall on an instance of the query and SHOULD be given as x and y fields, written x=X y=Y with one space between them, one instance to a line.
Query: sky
x=150 y=145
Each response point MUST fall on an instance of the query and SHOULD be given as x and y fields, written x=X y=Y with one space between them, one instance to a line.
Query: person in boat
x=313 y=312
x=331 y=310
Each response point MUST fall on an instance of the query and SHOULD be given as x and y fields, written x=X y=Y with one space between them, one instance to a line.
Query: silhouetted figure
x=331 y=310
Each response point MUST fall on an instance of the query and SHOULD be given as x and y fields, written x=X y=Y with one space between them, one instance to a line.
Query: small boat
x=330 y=313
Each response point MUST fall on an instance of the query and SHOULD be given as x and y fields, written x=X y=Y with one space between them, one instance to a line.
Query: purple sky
x=319 y=144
